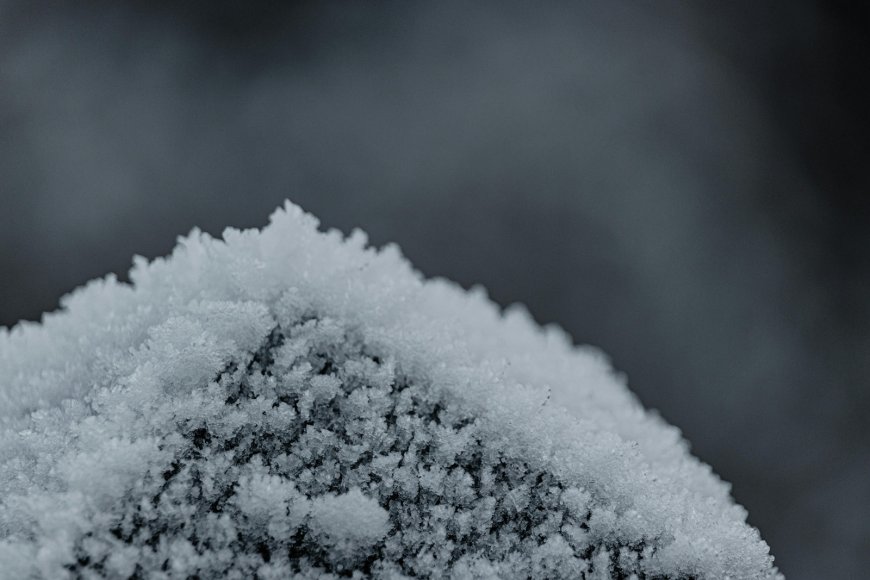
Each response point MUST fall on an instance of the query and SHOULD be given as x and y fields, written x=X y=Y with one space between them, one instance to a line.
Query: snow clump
x=288 y=403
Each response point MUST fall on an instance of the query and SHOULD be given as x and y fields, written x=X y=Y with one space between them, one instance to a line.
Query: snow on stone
x=290 y=403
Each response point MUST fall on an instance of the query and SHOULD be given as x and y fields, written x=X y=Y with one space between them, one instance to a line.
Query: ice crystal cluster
x=288 y=403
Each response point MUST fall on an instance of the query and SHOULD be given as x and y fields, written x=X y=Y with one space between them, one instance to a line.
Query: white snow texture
x=288 y=403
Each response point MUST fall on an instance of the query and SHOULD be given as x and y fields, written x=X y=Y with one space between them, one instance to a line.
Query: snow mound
x=290 y=403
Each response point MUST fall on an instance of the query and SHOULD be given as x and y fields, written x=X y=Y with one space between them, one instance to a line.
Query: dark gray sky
x=682 y=184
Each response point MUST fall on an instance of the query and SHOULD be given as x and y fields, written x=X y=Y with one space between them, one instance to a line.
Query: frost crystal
x=288 y=403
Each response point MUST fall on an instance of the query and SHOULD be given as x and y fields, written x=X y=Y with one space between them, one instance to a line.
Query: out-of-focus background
x=682 y=184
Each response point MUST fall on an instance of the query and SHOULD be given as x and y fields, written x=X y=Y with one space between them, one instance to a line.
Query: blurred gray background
x=682 y=184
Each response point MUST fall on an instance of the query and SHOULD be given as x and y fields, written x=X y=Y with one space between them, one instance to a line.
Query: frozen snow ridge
x=290 y=403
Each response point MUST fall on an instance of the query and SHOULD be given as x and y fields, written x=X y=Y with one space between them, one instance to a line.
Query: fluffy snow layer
x=289 y=402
